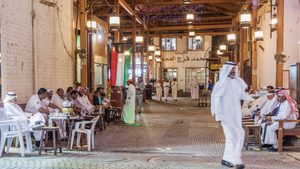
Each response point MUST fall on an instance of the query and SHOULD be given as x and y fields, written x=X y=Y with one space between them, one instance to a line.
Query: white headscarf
x=9 y=96
x=221 y=85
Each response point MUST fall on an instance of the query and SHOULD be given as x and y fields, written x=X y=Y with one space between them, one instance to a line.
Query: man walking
x=226 y=107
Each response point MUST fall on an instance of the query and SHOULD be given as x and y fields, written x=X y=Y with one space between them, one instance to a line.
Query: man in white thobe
x=194 y=88
x=58 y=100
x=266 y=108
x=286 y=110
x=35 y=105
x=226 y=107
x=129 y=106
x=174 y=86
x=13 y=111
x=166 y=86
x=84 y=102
x=158 y=87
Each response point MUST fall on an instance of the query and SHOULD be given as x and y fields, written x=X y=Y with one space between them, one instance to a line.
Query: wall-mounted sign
x=215 y=66
x=181 y=57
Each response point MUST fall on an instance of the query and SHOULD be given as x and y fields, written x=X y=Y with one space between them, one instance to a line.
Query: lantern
x=190 y=18
x=223 y=48
x=191 y=34
x=231 y=38
x=259 y=35
x=157 y=53
x=245 y=19
x=151 y=48
x=114 y=22
x=139 y=39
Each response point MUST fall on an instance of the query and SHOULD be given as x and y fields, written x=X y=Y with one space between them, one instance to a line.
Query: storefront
x=184 y=58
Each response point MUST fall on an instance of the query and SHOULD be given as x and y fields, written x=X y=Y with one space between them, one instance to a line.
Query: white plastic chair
x=80 y=129
x=16 y=128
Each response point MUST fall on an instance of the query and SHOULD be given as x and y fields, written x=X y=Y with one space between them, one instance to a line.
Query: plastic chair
x=16 y=128
x=80 y=129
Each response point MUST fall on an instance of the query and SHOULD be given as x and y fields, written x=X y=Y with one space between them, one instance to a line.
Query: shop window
x=199 y=74
x=99 y=76
x=169 y=44
x=196 y=43
x=169 y=74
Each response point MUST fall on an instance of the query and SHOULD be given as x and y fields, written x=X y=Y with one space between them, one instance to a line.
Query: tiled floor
x=173 y=135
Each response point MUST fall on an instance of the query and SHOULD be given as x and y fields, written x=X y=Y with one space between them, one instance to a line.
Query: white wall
x=182 y=46
x=291 y=32
x=266 y=62
x=55 y=67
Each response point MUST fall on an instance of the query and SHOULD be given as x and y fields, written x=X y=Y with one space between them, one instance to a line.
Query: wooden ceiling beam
x=131 y=11
x=190 y=27
x=128 y=34
x=180 y=2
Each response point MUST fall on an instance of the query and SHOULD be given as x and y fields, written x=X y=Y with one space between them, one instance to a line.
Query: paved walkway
x=173 y=135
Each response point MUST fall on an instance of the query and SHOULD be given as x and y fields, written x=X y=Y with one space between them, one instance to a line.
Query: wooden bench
x=286 y=132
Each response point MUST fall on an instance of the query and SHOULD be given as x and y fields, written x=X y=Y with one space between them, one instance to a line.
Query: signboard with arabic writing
x=181 y=57
x=215 y=66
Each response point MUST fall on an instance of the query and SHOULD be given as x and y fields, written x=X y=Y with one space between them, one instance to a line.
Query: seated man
x=58 y=98
x=286 y=109
x=84 y=102
x=75 y=104
x=96 y=98
x=13 y=111
x=34 y=106
x=249 y=108
x=266 y=108
x=48 y=102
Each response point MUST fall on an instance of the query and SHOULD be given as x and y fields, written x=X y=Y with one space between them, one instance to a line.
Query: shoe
x=266 y=145
x=272 y=149
x=240 y=166
x=227 y=163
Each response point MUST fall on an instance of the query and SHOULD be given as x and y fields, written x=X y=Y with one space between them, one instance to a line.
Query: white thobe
x=194 y=89
x=58 y=101
x=254 y=105
x=227 y=109
x=166 y=86
x=129 y=107
x=85 y=104
x=266 y=109
x=158 y=90
x=14 y=111
x=269 y=135
x=174 y=86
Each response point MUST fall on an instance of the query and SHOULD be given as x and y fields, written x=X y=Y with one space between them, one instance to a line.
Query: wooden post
x=147 y=57
x=83 y=41
x=161 y=56
x=254 y=49
x=280 y=29
x=241 y=53
x=142 y=56
x=133 y=43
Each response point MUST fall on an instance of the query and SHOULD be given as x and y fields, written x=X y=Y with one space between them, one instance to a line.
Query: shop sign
x=215 y=66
